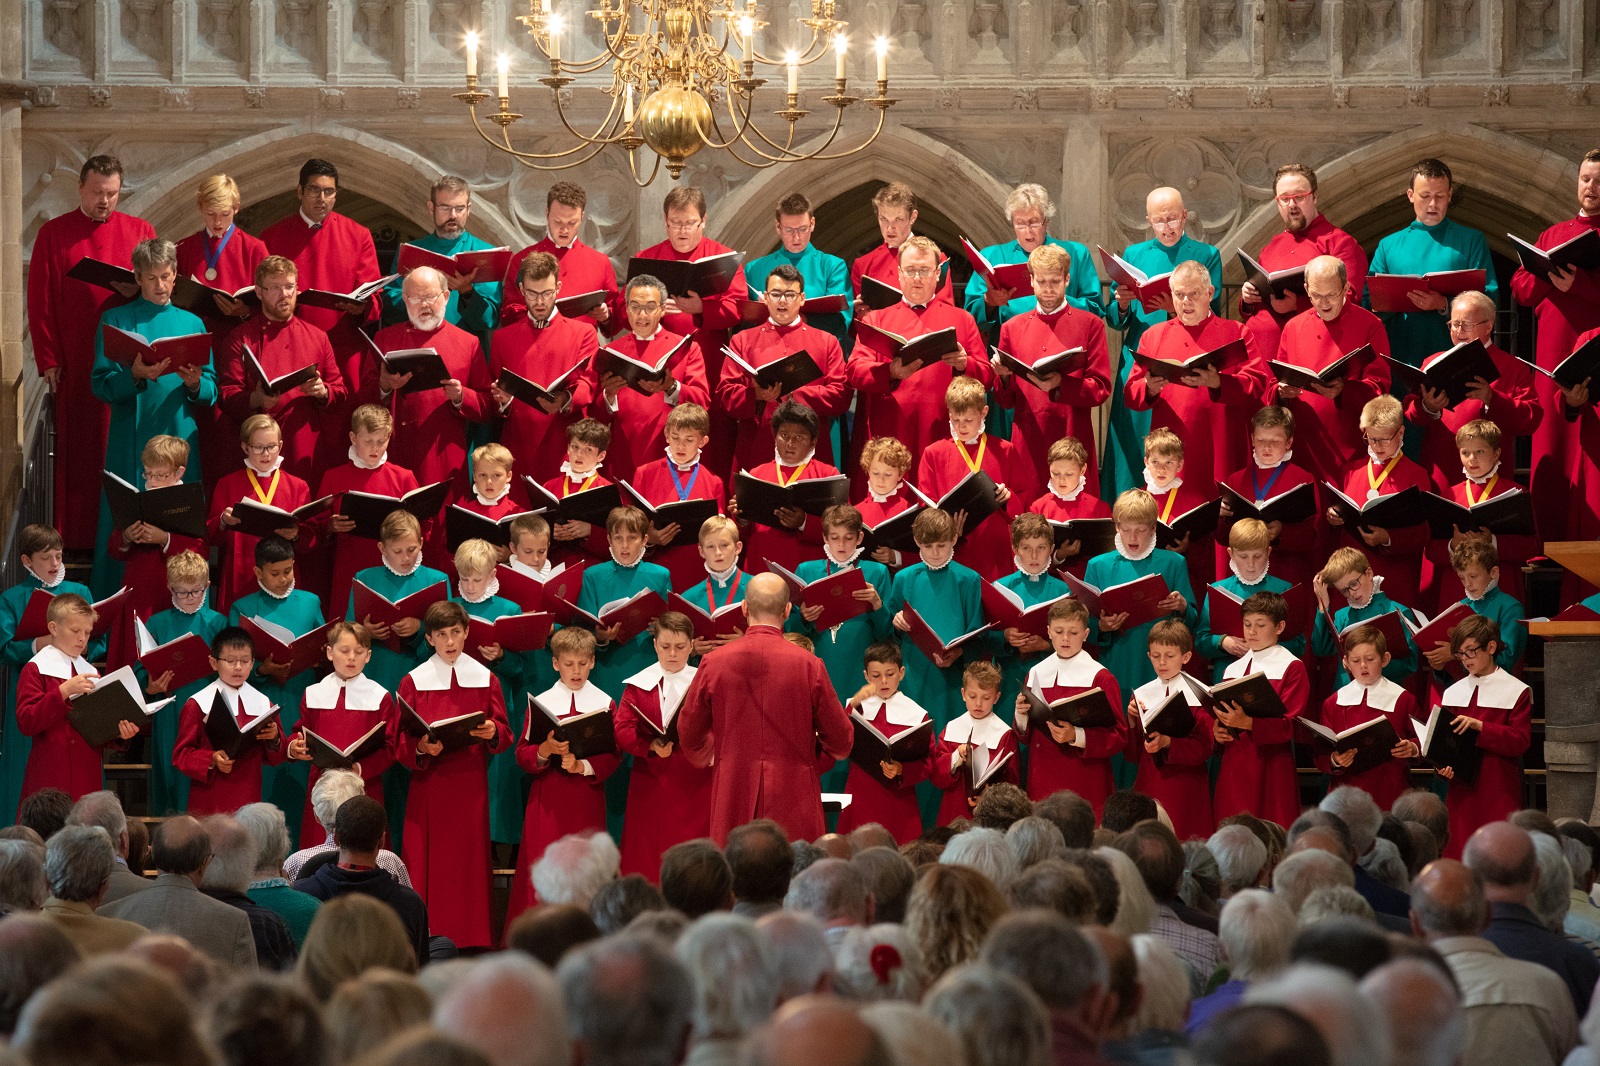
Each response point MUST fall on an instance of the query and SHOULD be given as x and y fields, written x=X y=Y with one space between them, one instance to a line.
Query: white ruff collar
x=899 y=709
x=1485 y=479
x=1122 y=551
x=490 y=501
x=1031 y=575
x=527 y=571
x=842 y=563
x=401 y=573
x=1380 y=697
x=987 y=732
x=958 y=440
x=1273 y=662
x=51 y=661
x=876 y=498
x=682 y=468
x=362 y=463
x=178 y=606
x=942 y=566
x=1246 y=581
x=1055 y=672
x=1152 y=489
x=566 y=470
x=1377 y=583
x=778 y=462
x=361 y=693
x=623 y=565
x=558 y=700
x=490 y=591
x=669 y=688
x=1272 y=466
x=1493 y=584
x=1154 y=694
x=1375 y=461
x=434 y=675
x=722 y=577
x=269 y=470
x=1068 y=497
x=274 y=595
x=1498 y=690
x=61 y=575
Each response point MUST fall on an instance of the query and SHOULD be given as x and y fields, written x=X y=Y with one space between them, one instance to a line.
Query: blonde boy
x=724 y=583
x=677 y=477
x=973 y=743
x=968 y=449
x=1349 y=573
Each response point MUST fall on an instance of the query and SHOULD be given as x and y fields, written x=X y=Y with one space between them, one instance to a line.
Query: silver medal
x=211 y=273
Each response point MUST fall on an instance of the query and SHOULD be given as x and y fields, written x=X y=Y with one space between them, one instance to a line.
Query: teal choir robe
x=1507 y=612
x=475 y=310
x=1421 y=249
x=299 y=612
x=1122 y=464
x=950 y=600
x=506 y=800
x=140 y=410
x=1083 y=286
x=169 y=786
x=1209 y=644
x=1401 y=666
x=1125 y=652
x=1014 y=665
x=824 y=274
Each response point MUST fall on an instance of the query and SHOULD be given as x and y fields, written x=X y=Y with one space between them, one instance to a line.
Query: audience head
x=331 y=791
x=619 y=902
x=1261 y=1035
x=181 y=846
x=1056 y=885
x=1057 y=960
x=269 y=835
x=1447 y=899
x=194 y=970
x=999 y=1019
x=1257 y=931
x=262 y=1020
x=1156 y=853
x=1334 y=901
x=547 y=932
x=1358 y=811
x=1001 y=806
x=1423 y=806
x=696 y=879
x=802 y=953
x=1552 y=895
x=879 y=962
x=1317 y=828
x=65 y=1023
x=1102 y=880
x=510 y=1008
x=1423 y=1011
x=33 y=952
x=103 y=809
x=365 y=1011
x=1125 y=809
x=233 y=854
x=572 y=869
x=23 y=886
x=912 y=1036
x=761 y=860
x=871 y=835
x=423 y=1046
x=1350 y=944
x=951 y=911
x=45 y=811
x=1136 y=908
x=1503 y=855
x=1303 y=872
x=349 y=935
x=1072 y=814
x=78 y=861
x=1163 y=987
x=888 y=877
x=1240 y=855
x=984 y=850
x=815 y=1029
x=735 y=976
x=1033 y=839
x=833 y=892
x=628 y=1002
x=1355 y=1030
x=665 y=925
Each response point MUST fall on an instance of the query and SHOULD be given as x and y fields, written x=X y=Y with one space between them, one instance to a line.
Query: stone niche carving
x=298 y=35
x=217 y=26
x=1211 y=187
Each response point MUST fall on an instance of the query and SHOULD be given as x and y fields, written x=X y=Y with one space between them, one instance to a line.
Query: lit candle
x=883 y=58
x=839 y=45
x=505 y=68
x=557 y=24
x=472 y=54
x=627 y=104
x=746 y=30
x=794 y=71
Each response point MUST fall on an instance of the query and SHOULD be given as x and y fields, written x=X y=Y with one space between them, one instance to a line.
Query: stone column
x=1571 y=727
x=11 y=305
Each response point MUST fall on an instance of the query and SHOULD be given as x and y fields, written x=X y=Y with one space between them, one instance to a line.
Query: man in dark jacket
x=358 y=829
x=227 y=876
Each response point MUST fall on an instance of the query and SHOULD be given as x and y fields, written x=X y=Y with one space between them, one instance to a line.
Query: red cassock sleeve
x=1506 y=732
x=1104 y=743
x=1294 y=689
x=631 y=740
x=191 y=752
x=39 y=701
x=939 y=771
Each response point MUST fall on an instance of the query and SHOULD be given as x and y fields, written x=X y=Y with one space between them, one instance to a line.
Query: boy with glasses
x=1496 y=707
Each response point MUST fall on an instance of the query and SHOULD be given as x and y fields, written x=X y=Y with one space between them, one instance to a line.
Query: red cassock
x=211 y=791
x=282 y=348
x=1505 y=706
x=237 y=574
x=336 y=257
x=235 y=265
x=1290 y=249
x=538 y=440
x=342 y=712
x=1257 y=772
x=352 y=554
x=718 y=314
x=1178 y=777
x=828 y=396
x=1559 y=462
x=991 y=738
x=591 y=549
x=1201 y=554
x=639 y=422
x=1212 y=423
x=63 y=314
x=654 y=481
x=892 y=805
x=1583 y=442
x=875 y=512
x=985 y=547
x=761 y=706
x=786 y=547
x=1514 y=407
x=1085 y=770
x=1042 y=418
x=883 y=264
x=430 y=432
x=1513 y=551
x=144 y=571
x=1328 y=432
x=559 y=802
x=912 y=411
x=669 y=800
x=1400 y=562
x=446 y=843
x=1297 y=554
x=60 y=757
x=1354 y=704
x=1057 y=509
x=583 y=269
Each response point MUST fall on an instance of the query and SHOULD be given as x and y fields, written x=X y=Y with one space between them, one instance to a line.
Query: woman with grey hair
x=998 y=1018
x=913 y=1036
x=1034 y=839
x=148 y=393
x=735 y=984
x=984 y=850
x=1136 y=908
x=268 y=887
x=879 y=962
x=22 y=883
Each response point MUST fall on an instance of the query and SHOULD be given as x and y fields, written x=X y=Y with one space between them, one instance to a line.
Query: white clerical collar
x=1287 y=455
x=899 y=709
x=1485 y=479
x=1153 y=694
x=61 y=575
x=252 y=699
x=363 y=464
x=842 y=563
x=1055 y=672
x=490 y=590
x=270 y=469
x=986 y=732
x=361 y=693
x=722 y=577
x=1246 y=582
x=1154 y=490
x=51 y=661
x=883 y=498
x=669 y=688
x=435 y=674
x=490 y=501
x=1031 y=575
x=1273 y=662
x=968 y=442
x=1498 y=690
x=780 y=464
x=558 y=699
x=1056 y=310
x=623 y=565
x=653 y=335
x=1069 y=497
x=684 y=468
x=1375 y=461
x=1126 y=554
x=1380 y=696
x=279 y=597
x=401 y=573
x=177 y=605
x=566 y=470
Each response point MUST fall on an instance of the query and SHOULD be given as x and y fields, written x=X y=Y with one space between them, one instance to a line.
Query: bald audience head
x=1503 y=855
x=181 y=846
x=817 y=1029
x=833 y=892
x=1261 y=1034
x=1423 y=1009
x=509 y=1007
x=766 y=600
x=1447 y=900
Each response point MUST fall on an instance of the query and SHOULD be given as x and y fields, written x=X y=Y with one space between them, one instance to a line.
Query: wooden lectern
x=1572 y=695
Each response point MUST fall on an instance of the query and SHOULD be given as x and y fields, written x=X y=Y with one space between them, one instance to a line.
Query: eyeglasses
x=243 y=664
x=281 y=290
x=1348 y=587
x=1294 y=197
x=421 y=299
x=1463 y=326
x=1379 y=440
x=686 y=227
x=1467 y=653
x=1027 y=225
x=1323 y=297
x=318 y=192
x=264 y=449
x=784 y=294
x=643 y=309
x=918 y=272
x=1185 y=295
x=1165 y=223
x=541 y=295
x=797 y=231
x=452 y=209
x=189 y=594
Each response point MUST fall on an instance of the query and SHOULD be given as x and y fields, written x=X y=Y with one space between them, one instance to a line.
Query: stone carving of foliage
x=1211 y=188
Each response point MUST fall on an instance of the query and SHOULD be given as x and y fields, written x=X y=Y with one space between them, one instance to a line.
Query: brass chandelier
x=673 y=56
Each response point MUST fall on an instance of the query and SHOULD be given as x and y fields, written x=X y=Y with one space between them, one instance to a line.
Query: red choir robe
x=63 y=314
x=1328 y=432
x=912 y=410
x=1560 y=461
x=1289 y=249
x=582 y=269
x=211 y=791
x=446 y=842
x=144 y=572
x=763 y=707
x=341 y=712
x=883 y=264
x=828 y=396
x=538 y=440
x=237 y=574
x=654 y=481
x=591 y=549
x=669 y=800
x=875 y=511
x=282 y=348
x=986 y=546
x=1400 y=562
x=352 y=553
x=1212 y=423
x=1085 y=765
x=1042 y=418
x=236 y=264
x=1354 y=704
x=60 y=757
x=559 y=802
x=335 y=257
x=1178 y=777
x=1583 y=440
x=1257 y=772
x=430 y=432
x=1514 y=407
x=1179 y=498
x=991 y=738
x=1297 y=554
x=893 y=806
x=1513 y=551
x=1505 y=706
x=1082 y=504
x=638 y=422
x=786 y=547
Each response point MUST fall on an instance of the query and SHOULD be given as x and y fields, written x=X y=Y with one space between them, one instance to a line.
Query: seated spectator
x=665 y=925
x=1136 y=908
x=369 y=1009
x=572 y=869
x=735 y=979
x=266 y=1021
x=268 y=887
x=359 y=829
x=1001 y=806
x=1327 y=830
x=550 y=930
x=879 y=962
x=951 y=911
x=1155 y=1032
x=1332 y=902
x=1072 y=814
x=1355 y=1031
x=912 y=1036
x=1102 y=879
x=805 y=853
x=834 y=893
x=1067 y=970
x=196 y=972
x=227 y=876
x=109 y=1012
x=175 y=904
x=1552 y=899
x=33 y=952
x=1350 y=944
x=1056 y=885
x=138 y=847
x=1201 y=884
x=804 y=957
x=1583 y=917
x=1126 y=808
x=22 y=882
x=1422 y=806
x=1395 y=853
x=618 y=902
x=1034 y=839
x=1256 y=930
x=350 y=935
x=888 y=878
x=762 y=862
x=1306 y=871
x=870 y=835
x=696 y=879
x=1423 y=1009
x=510 y=1008
x=78 y=862
x=1372 y=854
x=816 y=1029
x=424 y=1045
x=44 y=811
x=628 y=1003
x=327 y=796
x=986 y=851
x=998 y=1018
x=104 y=809
x=1262 y=1035
x=1156 y=853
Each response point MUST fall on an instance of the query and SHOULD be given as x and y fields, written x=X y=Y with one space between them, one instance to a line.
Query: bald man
x=817 y=1029
x=760 y=712
x=1123 y=465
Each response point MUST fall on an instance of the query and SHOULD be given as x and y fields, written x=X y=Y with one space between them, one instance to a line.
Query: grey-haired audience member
x=888 y=877
x=802 y=953
x=999 y=1019
x=986 y=851
x=628 y=1002
x=1034 y=839
x=1241 y=857
x=879 y=962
